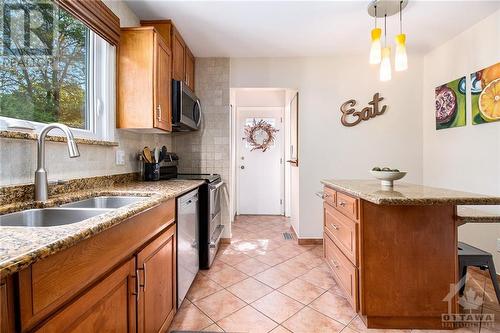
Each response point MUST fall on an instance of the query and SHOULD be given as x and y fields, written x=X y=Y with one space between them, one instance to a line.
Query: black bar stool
x=472 y=256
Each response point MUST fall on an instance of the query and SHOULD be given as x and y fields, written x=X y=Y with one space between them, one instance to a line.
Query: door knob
x=242 y=167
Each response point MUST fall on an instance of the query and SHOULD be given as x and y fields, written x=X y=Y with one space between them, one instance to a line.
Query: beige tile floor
x=264 y=283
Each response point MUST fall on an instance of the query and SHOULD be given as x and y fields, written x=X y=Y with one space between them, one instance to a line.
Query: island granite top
x=407 y=194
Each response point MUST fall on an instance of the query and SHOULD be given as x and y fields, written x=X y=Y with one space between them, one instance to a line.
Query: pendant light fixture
x=385 y=65
x=376 y=45
x=401 y=59
x=382 y=55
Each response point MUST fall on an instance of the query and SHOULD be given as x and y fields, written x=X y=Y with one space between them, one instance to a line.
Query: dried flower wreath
x=258 y=127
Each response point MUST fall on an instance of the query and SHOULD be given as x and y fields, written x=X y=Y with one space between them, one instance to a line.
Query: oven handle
x=216 y=185
x=213 y=243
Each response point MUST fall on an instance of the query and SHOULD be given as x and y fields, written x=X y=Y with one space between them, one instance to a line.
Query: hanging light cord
x=400 y=17
x=385 y=30
x=375 y=16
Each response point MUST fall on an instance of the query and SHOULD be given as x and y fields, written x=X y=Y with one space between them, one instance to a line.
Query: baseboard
x=310 y=241
x=225 y=241
x=294 y=234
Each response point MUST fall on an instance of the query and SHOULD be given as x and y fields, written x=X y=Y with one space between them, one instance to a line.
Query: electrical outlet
x=120 y=157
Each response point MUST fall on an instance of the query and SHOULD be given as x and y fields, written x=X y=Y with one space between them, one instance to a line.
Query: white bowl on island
x=387 y=178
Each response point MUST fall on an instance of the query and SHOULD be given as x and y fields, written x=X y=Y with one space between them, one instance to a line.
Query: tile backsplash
x=18 y=158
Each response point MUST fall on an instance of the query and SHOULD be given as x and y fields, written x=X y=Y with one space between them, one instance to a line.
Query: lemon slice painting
x=486 y=95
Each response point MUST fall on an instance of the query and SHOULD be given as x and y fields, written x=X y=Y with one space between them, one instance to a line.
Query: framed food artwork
x=485 y=95
x=450 y=99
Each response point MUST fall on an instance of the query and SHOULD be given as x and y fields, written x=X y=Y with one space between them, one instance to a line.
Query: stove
x=208 y=177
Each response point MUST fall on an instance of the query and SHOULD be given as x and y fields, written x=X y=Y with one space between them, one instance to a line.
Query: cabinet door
x=189 y=69
x=109 y=306
x=157 y=296
x=178 y=55
x=163 y=86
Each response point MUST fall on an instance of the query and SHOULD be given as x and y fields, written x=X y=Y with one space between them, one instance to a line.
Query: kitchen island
x=394 y=252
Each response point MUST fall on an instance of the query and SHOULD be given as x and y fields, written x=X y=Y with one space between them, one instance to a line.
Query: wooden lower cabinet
x=109 y=306
x=156 y=265
x=120 y=280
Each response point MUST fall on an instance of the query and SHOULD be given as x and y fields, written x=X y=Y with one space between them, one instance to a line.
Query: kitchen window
x=53 y=68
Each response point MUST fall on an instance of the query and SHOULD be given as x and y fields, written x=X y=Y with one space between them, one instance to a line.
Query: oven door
x=214 y=203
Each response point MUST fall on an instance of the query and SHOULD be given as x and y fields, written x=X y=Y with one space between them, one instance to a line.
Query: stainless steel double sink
x=68 y=213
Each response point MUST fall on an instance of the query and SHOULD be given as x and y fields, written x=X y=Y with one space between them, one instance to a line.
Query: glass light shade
x=401 y=59
x=376 y=47
x=385 y=65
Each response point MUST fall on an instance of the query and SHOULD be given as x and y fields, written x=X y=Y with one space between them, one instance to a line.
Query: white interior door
x=260 y=173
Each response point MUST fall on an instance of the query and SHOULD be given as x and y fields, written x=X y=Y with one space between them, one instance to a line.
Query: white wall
x=326 y=148
x=465 y=158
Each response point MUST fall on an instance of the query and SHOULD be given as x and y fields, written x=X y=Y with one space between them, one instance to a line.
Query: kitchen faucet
x=41 y=183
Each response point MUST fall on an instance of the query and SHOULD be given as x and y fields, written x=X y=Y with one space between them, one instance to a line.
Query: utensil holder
x=151 y=171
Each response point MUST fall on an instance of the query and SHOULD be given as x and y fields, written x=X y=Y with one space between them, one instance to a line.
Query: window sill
x=54 y=138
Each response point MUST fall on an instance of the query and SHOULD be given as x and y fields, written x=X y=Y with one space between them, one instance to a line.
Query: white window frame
x=101 y=96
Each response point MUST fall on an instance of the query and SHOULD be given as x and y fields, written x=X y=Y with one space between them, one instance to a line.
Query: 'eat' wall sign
x=351 y=117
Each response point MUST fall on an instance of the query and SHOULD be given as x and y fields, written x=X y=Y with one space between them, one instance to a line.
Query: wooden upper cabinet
x=163 y=87
x=156 y=265
x=179 y=56
x=144 y=75
x=189 y=69
x=182 y=58
x=108 y=306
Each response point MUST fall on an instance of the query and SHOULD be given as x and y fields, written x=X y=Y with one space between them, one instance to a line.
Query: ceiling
x=306 y=28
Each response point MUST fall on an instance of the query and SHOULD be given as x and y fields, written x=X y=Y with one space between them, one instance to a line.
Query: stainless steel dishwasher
x=187 y=242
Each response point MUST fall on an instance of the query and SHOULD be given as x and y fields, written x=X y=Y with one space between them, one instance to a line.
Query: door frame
x=236 y=141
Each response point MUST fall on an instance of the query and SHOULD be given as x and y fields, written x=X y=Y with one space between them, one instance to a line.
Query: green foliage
x=47 y=88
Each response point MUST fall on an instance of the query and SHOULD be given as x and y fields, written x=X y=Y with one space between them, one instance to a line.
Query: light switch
x=120 y=157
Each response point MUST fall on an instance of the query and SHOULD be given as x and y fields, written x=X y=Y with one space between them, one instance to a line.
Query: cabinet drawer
x=347 y=205
x=329 y=195
x=345 y=273
x=343 y=231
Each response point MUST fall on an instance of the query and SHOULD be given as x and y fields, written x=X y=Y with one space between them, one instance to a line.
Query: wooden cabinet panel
x=109 y=306
x=7 y=306
x=344 y=271
x=144 y=87
x=190 y=64
x=343 y=231
x=156 y=265
x=163 y=87
x=330 y=196
x=348 y=205
x=178 y=56
x=45 y=286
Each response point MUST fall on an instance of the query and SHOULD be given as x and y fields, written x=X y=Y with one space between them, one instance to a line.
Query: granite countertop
x=23 y=246
x=407 y=194
x=473 y=215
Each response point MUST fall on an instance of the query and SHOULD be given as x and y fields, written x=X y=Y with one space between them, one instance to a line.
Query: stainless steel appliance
x=186 y=108
x=187 y=242
x=210 y=225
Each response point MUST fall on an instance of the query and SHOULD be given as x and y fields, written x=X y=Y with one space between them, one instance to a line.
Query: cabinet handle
x=158 y=112
x=137 y=285
x=144 y=283
x=334 y=226
x=342 y=204
x=334 y=263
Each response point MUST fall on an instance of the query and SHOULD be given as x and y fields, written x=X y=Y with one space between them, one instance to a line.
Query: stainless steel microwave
x=186 y=108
